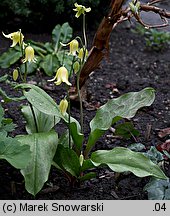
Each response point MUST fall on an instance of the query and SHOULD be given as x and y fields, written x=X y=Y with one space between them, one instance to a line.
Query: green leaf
x=68 y=160
x=44 y=103
x=38 y=47
x=75 y=131
x=87 y=176
x=49 y=47
x=64 y=139
x=6 y=124
x=68 y=61
x=125 y=106
x=87 y=165
x=44 y=122
x=31 y=67
x=7 y=98
x=137 y=147
x=122 y=159
x=50 y=64
x=16 y=154
x=9 y=58
x=61 y=34
x=158 y=189
x=1 y=113
x=4 y=78
x=40 y=99
x=8 y=127
x=154 y=155
x=43 y=147
x=126 y=130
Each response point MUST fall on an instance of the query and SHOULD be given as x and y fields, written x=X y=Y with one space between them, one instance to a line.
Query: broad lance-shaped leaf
x=43 y=147
x=16 y=154
x=75 y=129
x=40 y=99
x=44 y=103
x=10 y=57
x=7 y=98
x=31 y=67
x=158 y=189
x=44 y=121
x=61 y=34
x=68 y=160
x=122 y=159
x=124 y=106
x=49 y=64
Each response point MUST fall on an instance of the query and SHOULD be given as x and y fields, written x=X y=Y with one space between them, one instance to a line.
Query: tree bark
x=100 y=46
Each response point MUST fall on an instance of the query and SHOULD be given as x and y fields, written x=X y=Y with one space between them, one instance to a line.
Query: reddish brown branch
x=116 y=15
x=157 y=10
x=100 y=45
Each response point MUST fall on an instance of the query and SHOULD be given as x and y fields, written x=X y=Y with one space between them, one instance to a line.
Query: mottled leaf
x=122 y=159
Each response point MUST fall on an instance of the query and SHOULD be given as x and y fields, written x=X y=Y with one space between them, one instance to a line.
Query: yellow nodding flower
x=29 y=55
x=16 y=37
x=63 y=106
x=74 y=45
x=80 y=10
x=61 y=76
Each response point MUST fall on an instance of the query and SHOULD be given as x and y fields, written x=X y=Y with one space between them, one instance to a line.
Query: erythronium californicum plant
x=27 y=52
x=69 y=152
x=49 y=55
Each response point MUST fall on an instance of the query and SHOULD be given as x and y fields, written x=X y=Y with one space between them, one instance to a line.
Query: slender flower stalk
x=81 y=10
x=69 y=119
x=84 y=31
x=81 y=103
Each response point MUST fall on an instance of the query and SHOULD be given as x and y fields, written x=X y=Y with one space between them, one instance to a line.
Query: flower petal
x=8 y=35
x=58 y=82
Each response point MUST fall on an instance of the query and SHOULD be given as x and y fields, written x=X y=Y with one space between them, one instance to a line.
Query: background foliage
x=45 y=14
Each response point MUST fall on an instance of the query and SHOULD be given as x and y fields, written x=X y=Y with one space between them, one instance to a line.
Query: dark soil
x=130 y=67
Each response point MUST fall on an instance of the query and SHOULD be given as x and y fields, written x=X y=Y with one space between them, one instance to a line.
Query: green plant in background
x=157 y=189
x=32 y=16
x=155 y=40
x=70 y=153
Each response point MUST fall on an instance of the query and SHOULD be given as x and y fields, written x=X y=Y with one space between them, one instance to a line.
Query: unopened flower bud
x=83 y=53
x=76 y=67
x=15 y=74
x=63 y=106
x=81 y=159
